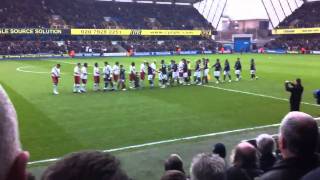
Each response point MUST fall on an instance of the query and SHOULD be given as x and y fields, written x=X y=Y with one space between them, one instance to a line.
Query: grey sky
x=245 y=9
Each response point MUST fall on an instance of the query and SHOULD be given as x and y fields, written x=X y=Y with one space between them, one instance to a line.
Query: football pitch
x=52 y=126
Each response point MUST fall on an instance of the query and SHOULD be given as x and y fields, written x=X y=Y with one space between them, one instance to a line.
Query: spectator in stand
x=298 y=140
x=244 y=163
x=13 y=160
x=266 y=146
x=220 y=150
x=173 y=175
x=207 y=167
x=174 y=162
x=89 y=165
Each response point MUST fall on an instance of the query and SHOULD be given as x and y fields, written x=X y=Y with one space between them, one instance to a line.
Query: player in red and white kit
x=142 y=73
x=84 y=77
x=55 y=75
x=132 y=76
x=116 y=74
x=96 y=77
x=77 y=74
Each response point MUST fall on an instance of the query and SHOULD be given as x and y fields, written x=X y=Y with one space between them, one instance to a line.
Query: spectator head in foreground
x=244 y=163
x=298 y=139
x=207 y=167
x=13 y=160
x=173 y=175
x=93 y=165
x=220 y=150
x=174 y=162
x=265 y=144
x=244 y=156
x=298 y=135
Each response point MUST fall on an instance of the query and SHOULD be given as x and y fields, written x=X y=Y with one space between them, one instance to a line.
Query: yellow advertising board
x=142 y=32
x=296 y=31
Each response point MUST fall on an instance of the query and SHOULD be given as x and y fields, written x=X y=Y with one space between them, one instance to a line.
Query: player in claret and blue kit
x=77 y=79
x=150 y=75
x=55 y=75
x=96 y=77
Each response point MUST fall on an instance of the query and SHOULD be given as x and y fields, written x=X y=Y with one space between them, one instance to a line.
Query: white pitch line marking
x=21 y=69
x=256 y=94
x=167 y=141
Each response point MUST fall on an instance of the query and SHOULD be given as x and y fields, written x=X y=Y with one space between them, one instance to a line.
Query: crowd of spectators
x=83 y=46
x=307 y=16
x=99 y=14
x=30 y=47
x=169 y=45
x=297 y=156
x=295 y=42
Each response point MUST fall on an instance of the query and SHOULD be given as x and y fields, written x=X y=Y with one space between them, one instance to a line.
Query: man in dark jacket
x=297 y=142
x=296 y=90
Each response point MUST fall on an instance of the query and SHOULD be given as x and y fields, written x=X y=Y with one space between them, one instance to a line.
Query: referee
x=296 y=90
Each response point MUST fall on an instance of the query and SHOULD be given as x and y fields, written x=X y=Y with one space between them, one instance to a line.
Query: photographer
x=296 y=90
x=316 y=94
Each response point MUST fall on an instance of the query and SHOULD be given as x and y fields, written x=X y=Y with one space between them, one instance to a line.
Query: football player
x=84 y=77
x=55 y=75
x=96 y=77
x=77 y=74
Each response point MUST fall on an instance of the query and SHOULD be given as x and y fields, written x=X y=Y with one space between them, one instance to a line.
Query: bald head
x=9 y=141
x=298 y=134
x=13 y=160
x=245 y=155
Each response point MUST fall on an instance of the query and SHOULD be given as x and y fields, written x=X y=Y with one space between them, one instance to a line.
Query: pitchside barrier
x=139 y=54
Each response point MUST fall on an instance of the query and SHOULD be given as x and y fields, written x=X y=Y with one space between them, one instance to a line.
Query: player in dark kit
x=150 y=75
x=217 y=71
x=189 y=71
x=205 y=71
x=238 y=69
x=170 y=72
x=226 y=71
x=163 y=74
x=197 y=73
x=253 y=70
x=296 y=90
x=122 y=81
x=185 y=72
x=175 y=73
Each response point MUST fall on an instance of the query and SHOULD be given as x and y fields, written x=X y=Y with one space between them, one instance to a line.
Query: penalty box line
x=167 y=141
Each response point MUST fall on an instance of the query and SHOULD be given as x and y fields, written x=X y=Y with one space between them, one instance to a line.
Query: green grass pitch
x=52 y=126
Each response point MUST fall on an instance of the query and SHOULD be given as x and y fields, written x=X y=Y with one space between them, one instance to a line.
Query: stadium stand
x=306 y=16
x=295 y=42
x=95 y=14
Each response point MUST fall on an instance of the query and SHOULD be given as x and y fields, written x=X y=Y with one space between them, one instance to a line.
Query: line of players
x=169 y=75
